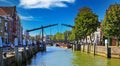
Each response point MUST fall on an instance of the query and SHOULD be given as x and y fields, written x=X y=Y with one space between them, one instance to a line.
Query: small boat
x=57 y=45
x=69 y=46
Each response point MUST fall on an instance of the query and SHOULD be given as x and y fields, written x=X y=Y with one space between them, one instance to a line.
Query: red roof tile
x=7 y=10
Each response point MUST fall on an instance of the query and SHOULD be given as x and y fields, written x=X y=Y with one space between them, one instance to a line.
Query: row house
x=4 y=27
x=19 y=30
x=99 y=38
x=95 y=37
x=13 y=26
x=113 y=40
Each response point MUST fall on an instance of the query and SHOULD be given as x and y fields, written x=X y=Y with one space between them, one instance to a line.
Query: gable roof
x=7 y=10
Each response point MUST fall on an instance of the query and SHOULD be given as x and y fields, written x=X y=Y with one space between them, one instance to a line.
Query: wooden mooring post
x=73 y=47
x=83 y=47
x=30 y=47
x=24 y=45
x=94 y=48
x=1 y=55
x=108 y=52
x=88 y=48
x=78 y=47
x=16 y=49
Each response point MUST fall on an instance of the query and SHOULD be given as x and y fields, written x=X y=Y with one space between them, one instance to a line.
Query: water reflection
x=85 y=59
x=55 y=56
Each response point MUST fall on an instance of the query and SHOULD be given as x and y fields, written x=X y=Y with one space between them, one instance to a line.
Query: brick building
x=3 y=28
x=13 y=25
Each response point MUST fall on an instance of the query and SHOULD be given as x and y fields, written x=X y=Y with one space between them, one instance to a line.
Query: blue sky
x=35 y=13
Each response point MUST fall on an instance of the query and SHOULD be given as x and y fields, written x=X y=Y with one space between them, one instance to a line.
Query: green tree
x=59 y=36
x=72 y=35
x=53 y=37
x=67 y=35
x=86 y=23
x=37 y=37
x=31 y=37
x=111 y=22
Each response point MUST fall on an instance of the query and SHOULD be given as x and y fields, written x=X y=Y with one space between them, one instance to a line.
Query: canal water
x=55 y=56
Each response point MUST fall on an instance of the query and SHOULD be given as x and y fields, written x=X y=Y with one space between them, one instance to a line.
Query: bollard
x=1 y=57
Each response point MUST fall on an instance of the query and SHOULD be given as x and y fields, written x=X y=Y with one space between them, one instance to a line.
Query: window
x=1 y=29
x=5 y=24
x=0 y=20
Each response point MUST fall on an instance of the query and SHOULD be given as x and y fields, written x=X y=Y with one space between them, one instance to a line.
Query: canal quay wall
x=109 y=52
x=23 y=55
x=18 y=55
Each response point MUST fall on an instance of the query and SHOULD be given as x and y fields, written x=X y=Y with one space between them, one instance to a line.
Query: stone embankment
x=24 y=54
x=110 y=51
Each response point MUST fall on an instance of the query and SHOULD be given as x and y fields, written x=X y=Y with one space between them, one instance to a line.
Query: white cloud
x=25 y=17
x=30 y=18
x=44 y=3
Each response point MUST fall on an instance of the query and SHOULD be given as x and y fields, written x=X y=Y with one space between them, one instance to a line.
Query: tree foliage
x=86 y=22
x=111 y=22
x=53 y=37
x=59 y=36
x=67 y=35
x=72 y=35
